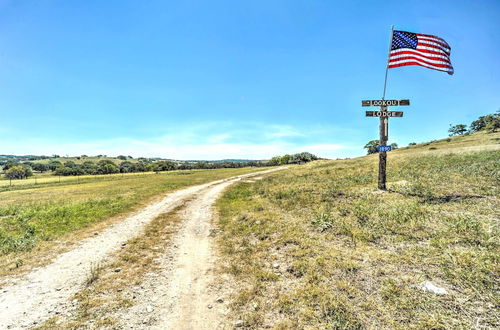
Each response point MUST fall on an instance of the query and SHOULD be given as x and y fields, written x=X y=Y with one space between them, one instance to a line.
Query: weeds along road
x=31 y=299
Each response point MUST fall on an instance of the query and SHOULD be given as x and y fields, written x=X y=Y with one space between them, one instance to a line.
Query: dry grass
x=318 y=247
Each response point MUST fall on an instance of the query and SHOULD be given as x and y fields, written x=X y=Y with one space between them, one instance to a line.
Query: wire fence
x=43 y=180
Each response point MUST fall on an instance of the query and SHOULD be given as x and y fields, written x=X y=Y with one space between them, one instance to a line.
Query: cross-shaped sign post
x=384 y=116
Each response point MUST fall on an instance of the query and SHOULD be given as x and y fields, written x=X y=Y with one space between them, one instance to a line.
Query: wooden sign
x=384 y=116
x=379 y=103
x=384 y=113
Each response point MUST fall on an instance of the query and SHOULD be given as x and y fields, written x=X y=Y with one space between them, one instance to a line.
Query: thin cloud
x=199 y=141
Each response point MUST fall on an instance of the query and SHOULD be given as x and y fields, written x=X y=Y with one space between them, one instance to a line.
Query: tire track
x=30 y=299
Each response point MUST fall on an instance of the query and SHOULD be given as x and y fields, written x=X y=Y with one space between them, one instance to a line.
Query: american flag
x=426 y=50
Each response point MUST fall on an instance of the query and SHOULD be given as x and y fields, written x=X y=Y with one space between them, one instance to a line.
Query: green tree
x=121 y=157
x=285 y=159
x=139 y=167
x=371 y=146
x=493 y=125
x=10 y=163
x=489 y=122
x=394 y=146
x=165 y=165
x=457 y=129
x=70 y=163
x=89 y=167
x=126 y=167
x=53 y=164
x=274 y=161
x=302 y=157
x=40 y=167
x=201 y=165
x=18 y=172
x=106 y=166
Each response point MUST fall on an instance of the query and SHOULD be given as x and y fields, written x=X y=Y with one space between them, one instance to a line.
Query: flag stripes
x=426 y=50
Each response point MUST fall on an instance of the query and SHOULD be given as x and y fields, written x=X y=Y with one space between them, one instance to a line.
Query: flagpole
x=383 y=129
x=387 y=66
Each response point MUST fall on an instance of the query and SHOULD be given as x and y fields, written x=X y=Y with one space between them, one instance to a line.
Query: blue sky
x=233 y=79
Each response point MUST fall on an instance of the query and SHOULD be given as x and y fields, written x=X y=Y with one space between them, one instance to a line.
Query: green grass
x=30 y=215
x=318 y=246
x=48 y=179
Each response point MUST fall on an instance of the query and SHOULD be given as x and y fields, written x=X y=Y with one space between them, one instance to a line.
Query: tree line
x=13 y=169
x=489 y=123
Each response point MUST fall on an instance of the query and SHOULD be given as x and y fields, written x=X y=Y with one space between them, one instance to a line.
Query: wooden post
x=382 y=156
x=384 y=116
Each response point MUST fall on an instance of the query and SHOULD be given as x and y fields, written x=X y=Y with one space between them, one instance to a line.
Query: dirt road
x=29 y=300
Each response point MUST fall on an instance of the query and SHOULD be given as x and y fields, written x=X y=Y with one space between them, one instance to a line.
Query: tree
x=372 y=146
x=53 y=164
x=70 y=163
x=165 y=165
x=139 y=167
x=185 y=166
x=40 y=167
x=29 y=164
x=201 y=165
x=274 y=161
x=394 y=146
x=10 y=163
x=89 y=167
x=302 y=157
x=106 y=166
x=126 y=167
x=489 y=122
x=412 y=144
x=457 y=129
x=493 y=125
x=66 y=170
x=121 y=157
x=285 y=159
x=108 y=169
x=18 y=172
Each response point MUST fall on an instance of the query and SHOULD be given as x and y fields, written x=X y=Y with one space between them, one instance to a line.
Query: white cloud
x=209 y=141
x=276 y=131
x=209 y=151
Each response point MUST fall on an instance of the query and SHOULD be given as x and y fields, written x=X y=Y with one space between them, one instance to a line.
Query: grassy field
x=31 y=215
x=318 y=246
x=47 y=178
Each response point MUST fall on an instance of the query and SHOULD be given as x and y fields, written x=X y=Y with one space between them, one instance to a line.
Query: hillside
x=318 y=246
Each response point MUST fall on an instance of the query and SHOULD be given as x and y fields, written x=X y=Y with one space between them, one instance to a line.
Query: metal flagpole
x=384 y=128
x=388 y=55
